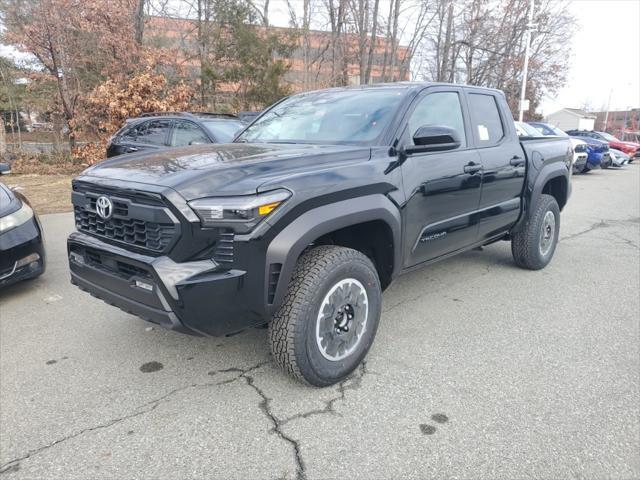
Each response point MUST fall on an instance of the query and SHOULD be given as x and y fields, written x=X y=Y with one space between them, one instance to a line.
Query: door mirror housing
x=5 y=168
x=434 y=138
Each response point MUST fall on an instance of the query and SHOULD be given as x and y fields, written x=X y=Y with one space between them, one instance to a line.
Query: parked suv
x=161 y=130
x=311 y=213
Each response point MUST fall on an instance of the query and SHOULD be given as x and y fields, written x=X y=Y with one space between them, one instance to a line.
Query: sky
x=605 y=58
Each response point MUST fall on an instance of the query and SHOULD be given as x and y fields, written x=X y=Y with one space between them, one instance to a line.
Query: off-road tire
x=526 y=244
x=292 y=331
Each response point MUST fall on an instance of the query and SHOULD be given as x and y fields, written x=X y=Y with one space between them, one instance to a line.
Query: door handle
x=516 y=161
x=131 y=149
x=472 y=167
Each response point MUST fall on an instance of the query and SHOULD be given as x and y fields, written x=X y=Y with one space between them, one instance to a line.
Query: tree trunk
x=373 y=42
x=306 y=43
x=265 y=13
x=3 y=141
x=394 y=40
x=138 y=21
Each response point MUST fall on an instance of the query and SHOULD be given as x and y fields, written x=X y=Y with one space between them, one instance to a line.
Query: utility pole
x=606 y=115
x=523 y=89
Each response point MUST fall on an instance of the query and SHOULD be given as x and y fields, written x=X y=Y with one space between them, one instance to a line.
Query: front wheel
x=534 y=246
x=329 y=317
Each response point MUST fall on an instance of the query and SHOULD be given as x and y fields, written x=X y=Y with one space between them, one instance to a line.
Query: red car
x=630 y=148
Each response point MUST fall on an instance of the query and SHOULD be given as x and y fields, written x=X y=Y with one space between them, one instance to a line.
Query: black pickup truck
x=311 y=213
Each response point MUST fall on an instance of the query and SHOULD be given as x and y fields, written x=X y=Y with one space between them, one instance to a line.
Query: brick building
x=181 y=35
x=618 y=121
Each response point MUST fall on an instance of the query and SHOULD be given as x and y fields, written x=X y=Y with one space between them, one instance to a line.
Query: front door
x=442 y=188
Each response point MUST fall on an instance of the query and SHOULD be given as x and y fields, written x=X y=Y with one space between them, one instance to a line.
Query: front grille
x=581 y=147
x=148 y=235
x=141 y=222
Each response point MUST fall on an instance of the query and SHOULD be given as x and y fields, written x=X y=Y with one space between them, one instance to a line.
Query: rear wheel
x=534 y=246
x=329 y=316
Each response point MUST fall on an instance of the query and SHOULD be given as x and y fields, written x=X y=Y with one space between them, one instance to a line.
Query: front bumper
x=21 y=253
x=192 y=297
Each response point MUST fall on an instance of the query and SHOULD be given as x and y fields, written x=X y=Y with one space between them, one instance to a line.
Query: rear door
x=502 y=160
x=442 y=188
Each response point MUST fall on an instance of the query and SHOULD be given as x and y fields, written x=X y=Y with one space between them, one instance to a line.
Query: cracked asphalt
x=479 y=370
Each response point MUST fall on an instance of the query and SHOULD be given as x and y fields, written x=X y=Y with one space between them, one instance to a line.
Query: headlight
x=16 y=218
x=240 y=213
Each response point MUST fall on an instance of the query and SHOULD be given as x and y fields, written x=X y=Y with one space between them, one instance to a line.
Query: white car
x=618 y=158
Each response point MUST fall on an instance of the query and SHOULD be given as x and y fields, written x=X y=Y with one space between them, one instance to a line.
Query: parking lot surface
x=479 y=370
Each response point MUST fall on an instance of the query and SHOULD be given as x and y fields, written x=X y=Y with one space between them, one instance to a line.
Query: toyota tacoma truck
x=312 y=211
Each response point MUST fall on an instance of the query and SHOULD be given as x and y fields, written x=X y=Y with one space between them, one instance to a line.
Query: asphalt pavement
x=479 y=370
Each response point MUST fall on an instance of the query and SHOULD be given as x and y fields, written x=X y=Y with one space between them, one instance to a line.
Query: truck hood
x=223 y=169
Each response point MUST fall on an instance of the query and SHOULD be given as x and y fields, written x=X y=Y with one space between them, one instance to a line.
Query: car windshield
x=526 y=130
x=352 y=117
x=608 y=137
x=223 y=130
x=556 y=131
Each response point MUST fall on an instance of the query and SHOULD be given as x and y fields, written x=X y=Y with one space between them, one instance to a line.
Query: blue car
x=597 y=150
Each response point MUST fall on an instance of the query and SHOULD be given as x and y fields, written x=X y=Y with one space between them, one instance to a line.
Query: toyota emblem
x=104 y=207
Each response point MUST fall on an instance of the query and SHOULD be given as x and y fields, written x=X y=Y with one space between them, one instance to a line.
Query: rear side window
x=188 y=133
x=485 y=115
x=152 y=133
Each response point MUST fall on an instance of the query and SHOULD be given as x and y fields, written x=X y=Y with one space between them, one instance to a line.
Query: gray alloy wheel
x=342 y=319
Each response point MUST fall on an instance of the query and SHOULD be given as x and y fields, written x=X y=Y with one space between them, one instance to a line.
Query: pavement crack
x=626 y=241
x=138 y=411
x=352 y=383
x=8 y=466
x=265 y=406
x=601 y=224
x=595 y=226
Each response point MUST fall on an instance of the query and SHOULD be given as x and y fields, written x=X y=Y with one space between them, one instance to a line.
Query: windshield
x=608 y=137
x=355 y=117
x=526 y=130
x=557 y=131
x=223 y=130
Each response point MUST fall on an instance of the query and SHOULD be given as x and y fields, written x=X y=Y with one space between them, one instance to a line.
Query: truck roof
x=408 y=85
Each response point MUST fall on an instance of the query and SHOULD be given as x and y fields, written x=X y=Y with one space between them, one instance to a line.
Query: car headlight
x=16 y=218
x=240 y=213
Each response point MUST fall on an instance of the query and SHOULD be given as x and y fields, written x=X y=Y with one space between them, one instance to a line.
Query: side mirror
x=5 y=169
x=434 y=138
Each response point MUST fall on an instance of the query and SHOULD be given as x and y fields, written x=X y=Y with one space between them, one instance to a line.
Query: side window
x=154 y=132
x=132 y=133
x=187 y=133
x=485 y=116
x=438 y=109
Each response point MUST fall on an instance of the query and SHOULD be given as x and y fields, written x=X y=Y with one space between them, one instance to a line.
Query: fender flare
x=286 y=246
x=533 y=192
